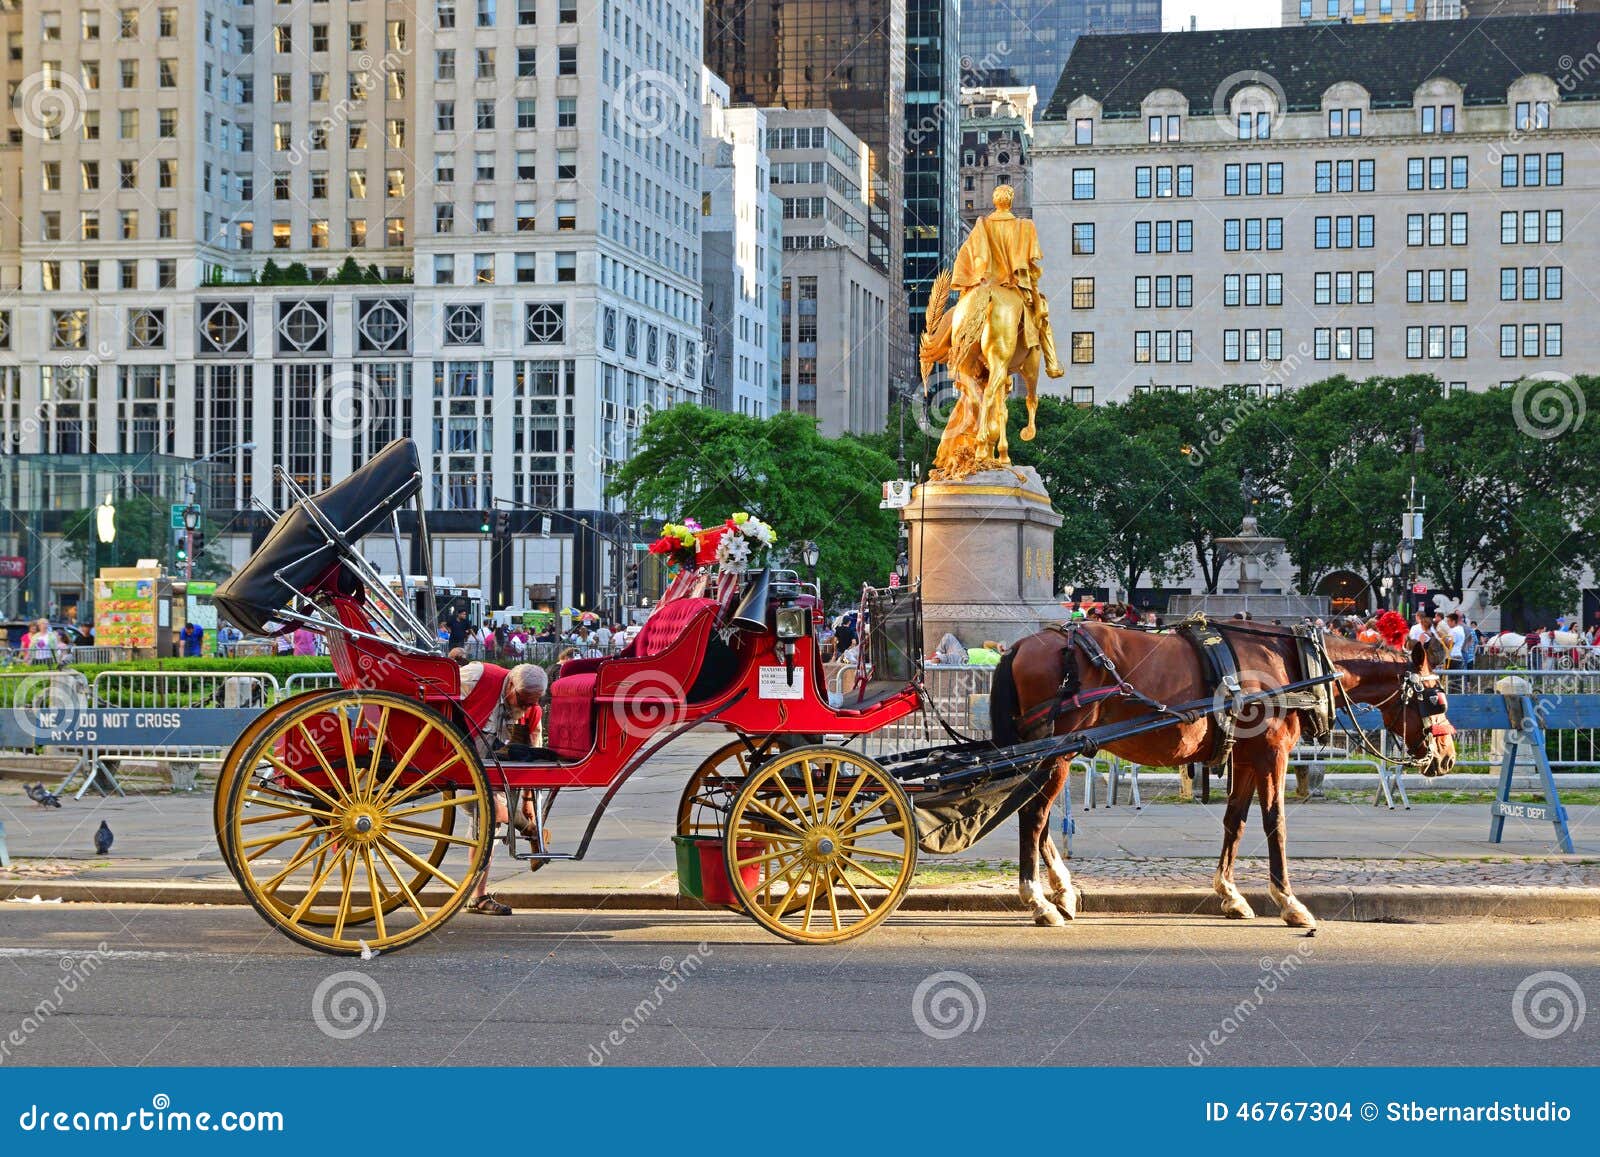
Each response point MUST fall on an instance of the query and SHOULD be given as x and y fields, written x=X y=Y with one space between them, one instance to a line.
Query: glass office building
x=1033 y=38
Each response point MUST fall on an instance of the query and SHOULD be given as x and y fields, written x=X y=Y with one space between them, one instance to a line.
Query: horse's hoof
x=1297 y=915
x=1027 y=433
x=1238 y=910
x=1049 y=917
x=1066 y=903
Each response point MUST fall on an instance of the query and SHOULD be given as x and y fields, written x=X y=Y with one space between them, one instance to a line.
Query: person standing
x=1458 y=640
x=602 y=637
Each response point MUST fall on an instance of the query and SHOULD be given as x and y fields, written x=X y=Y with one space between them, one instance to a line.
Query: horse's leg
x=1234 y=905
x=1294 y=913
x=1030 y=377
x=1061 y=893
x=1033 y=818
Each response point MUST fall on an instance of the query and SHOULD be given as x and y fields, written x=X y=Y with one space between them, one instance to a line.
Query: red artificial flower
x=706 y=554
x=1393 y=627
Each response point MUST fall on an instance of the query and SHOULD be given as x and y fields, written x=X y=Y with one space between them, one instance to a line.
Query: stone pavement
x=166 y=839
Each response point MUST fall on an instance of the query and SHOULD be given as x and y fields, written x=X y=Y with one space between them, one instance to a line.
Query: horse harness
x=1220 y=672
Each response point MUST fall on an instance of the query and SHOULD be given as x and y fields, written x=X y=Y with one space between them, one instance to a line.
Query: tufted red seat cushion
x=570 y=727
x=669 y=621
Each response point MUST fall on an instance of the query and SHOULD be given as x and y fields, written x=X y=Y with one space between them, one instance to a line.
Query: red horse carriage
x=358 y=818
x=350 y=817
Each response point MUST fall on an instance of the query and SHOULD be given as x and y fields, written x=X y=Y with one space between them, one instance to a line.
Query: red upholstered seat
x=662 y=629
x=569 y=729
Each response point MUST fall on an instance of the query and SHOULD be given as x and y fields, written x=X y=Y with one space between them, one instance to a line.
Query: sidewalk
x=1347 y=858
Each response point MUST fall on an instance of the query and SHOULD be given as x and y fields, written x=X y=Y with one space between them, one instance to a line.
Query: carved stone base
x=984 y=548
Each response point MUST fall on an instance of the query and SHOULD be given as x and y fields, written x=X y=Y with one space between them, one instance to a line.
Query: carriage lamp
x=191 y=517
x=792 y=623
x=809 y=553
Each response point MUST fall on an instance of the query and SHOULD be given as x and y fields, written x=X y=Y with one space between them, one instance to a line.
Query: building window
x=1083 y=293
x=1083 y=184
x=463 y=324
x=1532 y=115
x=1082 y=238
x=546 y=323
x=1083 y=348
x=1083 y=131
x=302 y=327
x=147 y=329
x=69 y=329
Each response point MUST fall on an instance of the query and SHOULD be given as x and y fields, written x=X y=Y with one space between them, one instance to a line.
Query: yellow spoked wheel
x=230 y=768
x=365 y=835
x=703 y=806
x=821 y=844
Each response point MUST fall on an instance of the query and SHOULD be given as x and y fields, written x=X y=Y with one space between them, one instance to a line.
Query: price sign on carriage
x=776 y=683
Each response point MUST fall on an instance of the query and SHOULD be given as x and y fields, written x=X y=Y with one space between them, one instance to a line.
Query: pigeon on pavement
x=102 y=838
x=38 y=794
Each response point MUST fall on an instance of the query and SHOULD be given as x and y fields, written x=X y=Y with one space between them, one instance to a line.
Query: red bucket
x=716 y=887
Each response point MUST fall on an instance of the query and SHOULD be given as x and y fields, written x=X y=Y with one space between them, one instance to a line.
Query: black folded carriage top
x=300 y=552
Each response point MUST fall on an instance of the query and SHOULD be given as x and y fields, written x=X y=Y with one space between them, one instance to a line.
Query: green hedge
x=279 y=667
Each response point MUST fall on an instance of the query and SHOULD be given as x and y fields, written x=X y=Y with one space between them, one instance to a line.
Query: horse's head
x=1415 y=712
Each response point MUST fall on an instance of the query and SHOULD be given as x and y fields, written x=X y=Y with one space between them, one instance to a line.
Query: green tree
x=1113 y=481
x=694 y=462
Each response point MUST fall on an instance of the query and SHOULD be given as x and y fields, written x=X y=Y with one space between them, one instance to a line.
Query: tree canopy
x=1510 y=479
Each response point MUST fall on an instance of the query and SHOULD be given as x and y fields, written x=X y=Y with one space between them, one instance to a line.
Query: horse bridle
x=1431 y=703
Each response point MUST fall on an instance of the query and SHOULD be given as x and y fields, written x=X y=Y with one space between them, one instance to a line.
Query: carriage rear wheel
x=365 y=835
x=703 y=806
x=235 y=758
x=821 y=845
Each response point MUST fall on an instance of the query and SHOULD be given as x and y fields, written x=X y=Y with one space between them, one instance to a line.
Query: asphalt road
x=182 y=986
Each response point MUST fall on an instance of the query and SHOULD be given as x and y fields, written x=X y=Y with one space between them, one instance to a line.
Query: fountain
x=1253 y=550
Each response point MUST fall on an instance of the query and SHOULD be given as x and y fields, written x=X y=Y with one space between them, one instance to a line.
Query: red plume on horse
x=1393 y=627
x=1088 y=674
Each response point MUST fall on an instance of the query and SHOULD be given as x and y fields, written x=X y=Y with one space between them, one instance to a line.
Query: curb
x=1367 y=904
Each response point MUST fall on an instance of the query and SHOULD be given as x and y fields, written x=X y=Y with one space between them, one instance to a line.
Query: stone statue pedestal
x=984 y=548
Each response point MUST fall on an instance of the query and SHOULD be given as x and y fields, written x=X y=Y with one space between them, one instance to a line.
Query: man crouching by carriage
x=520 y=695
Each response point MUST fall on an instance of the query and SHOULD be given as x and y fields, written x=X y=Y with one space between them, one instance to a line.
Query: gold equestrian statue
x=999 y=326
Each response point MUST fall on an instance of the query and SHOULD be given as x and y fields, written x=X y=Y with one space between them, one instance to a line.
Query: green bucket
x=687 y=851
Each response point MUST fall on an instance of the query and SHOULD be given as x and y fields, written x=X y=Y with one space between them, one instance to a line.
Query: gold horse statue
x=999 y=326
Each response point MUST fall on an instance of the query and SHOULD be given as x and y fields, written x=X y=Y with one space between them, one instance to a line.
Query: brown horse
x=1166 y=668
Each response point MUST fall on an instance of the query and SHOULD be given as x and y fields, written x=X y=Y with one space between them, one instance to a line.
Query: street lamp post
x=809 y=554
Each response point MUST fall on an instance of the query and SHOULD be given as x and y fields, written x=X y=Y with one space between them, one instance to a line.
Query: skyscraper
x=283 y=234
x=933 y=115
x=846 y=56
x=1033 y=38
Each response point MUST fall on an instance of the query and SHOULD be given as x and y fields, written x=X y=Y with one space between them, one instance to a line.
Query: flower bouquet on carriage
x=710 y=562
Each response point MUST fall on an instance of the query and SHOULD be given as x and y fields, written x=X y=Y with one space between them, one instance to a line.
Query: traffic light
x=198 y=540
x=180 y=555
x=483 y=526
x=502 y=523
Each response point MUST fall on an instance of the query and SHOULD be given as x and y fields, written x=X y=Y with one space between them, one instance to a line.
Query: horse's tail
x=971 y=332
x=1003 y=705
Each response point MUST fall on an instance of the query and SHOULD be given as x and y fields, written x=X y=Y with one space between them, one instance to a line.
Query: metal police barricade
x=181 y=718
x=1526 y=722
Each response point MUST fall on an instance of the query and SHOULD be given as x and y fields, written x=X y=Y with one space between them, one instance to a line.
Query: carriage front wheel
x=343 y=827
x=821 y=844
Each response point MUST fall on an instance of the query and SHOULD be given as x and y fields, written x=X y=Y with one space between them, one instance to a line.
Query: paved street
x=161 y=836
x=212 y=986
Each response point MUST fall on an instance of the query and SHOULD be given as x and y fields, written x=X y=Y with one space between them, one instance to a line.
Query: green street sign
x=177 y=515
